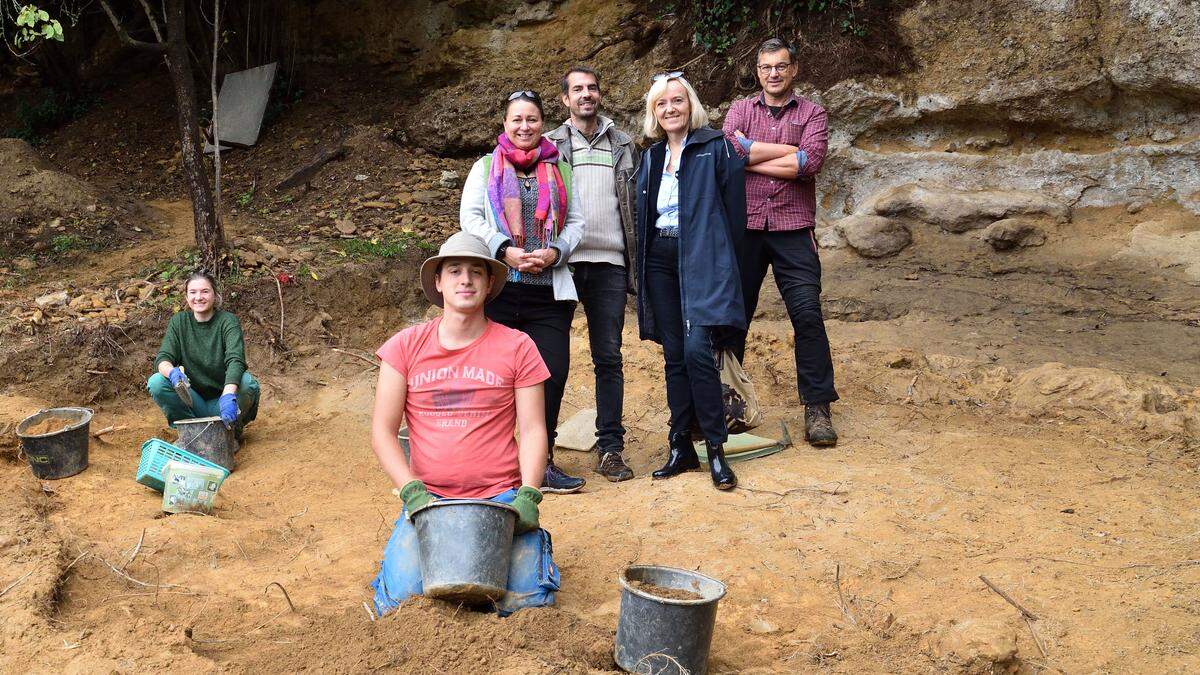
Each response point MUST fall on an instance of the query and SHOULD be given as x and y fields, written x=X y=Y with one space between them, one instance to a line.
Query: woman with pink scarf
x=518 y=199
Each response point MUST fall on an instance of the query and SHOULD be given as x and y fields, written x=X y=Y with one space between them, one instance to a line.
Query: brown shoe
x=613 y=468
x=818 y=426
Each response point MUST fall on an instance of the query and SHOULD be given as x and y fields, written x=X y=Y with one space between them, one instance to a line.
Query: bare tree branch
x=151 y=19
x=124 y=34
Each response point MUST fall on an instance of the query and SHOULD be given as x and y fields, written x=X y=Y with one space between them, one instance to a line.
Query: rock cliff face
x=1089 y=102
x=1093 y=102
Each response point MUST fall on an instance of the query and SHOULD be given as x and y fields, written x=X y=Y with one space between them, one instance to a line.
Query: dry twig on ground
x=837 y=580
x=285 y=593
x=15 y=583
x=1027 y=615
x=357 y=356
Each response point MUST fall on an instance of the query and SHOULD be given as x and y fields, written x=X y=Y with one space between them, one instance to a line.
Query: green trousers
x=175 y=409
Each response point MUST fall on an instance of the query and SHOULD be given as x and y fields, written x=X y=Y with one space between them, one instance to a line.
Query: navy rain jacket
x=712 y=223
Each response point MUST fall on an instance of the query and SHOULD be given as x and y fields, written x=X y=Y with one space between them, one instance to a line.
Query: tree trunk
x=210 y=238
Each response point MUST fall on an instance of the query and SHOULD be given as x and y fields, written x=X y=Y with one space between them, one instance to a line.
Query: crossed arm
x=780 y=160
x=777 y=160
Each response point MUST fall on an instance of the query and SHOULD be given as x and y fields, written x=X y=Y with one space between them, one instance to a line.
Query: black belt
x=668 y=232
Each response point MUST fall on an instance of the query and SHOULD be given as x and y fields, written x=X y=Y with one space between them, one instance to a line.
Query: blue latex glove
x=744 y=142
x=176 y=376
x=229 y=409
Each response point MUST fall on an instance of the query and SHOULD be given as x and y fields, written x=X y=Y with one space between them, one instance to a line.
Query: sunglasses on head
x=674 y=74
x=525 y=93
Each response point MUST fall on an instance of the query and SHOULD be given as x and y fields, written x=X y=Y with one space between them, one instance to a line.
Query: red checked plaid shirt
x=777 y=204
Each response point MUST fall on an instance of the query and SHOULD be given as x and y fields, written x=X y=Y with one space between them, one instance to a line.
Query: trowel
x=184 y=391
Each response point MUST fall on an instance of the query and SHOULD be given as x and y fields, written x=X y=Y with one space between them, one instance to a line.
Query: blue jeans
x=533 y=578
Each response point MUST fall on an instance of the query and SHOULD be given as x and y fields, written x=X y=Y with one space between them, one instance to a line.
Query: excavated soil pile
x=44 y=210
x=426 y=636
x=50 y=425
x=664 y=592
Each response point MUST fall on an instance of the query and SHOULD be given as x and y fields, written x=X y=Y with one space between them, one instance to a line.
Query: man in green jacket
x=203 y=354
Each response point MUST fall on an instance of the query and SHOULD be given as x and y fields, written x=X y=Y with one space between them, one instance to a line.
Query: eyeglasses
x=674 y=74
x=525 y=93
x=777 y=68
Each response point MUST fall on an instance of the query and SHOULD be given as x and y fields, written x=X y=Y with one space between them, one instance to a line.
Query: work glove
x=415 y=496
x=176 y=376
x=526 y=504
x=229 y=409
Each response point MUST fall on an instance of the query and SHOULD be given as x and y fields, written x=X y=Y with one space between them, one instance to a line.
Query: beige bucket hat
x=462 y=245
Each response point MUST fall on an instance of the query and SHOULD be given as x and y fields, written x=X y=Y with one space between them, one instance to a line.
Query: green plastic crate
x=155 y=455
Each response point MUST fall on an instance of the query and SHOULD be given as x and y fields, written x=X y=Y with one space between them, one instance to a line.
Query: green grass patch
x=64 y=244
x=174 y=270
x=387 y=246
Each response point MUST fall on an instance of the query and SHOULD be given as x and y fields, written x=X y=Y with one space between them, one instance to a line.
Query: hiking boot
x=559 y=482
x=613 y=467
x=818 y=425
x=682 y=456
x=723 y=477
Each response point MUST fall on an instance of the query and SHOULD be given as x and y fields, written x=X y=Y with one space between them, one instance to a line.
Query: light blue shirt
x=668 y=196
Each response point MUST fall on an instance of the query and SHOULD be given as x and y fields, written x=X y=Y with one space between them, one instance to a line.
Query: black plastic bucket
x=208 y=438
x=666 y=635
x=465 y=548
x=59 y=454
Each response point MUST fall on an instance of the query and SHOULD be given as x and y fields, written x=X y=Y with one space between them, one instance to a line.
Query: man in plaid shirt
x=784 y=138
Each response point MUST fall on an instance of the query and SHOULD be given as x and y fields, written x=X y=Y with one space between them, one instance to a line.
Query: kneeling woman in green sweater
x=203 y=347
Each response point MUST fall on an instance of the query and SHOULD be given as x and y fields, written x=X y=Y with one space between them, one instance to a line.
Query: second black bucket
x=60 y=453
x=465 y=548
x=208 y=438
x=667 y=619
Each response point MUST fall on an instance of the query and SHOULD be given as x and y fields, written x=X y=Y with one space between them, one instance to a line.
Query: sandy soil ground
x=1030 y=418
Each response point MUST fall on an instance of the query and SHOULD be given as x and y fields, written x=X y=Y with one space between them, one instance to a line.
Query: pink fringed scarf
x=504 y=194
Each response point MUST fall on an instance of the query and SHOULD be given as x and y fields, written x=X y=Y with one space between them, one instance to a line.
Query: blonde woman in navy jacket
x=691 y=214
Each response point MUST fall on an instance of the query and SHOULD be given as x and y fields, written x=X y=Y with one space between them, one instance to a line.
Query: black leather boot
x=722 y=475
x=682 y=458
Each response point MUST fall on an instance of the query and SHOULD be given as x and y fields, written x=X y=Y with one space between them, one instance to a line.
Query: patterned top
x=535 y=237
x=778 y=204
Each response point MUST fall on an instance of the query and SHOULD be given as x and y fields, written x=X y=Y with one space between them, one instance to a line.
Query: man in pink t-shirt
x=464 y=383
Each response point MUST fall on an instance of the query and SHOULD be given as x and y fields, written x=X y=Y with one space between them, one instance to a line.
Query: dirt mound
x=46 y=210
x=50 y=425
x=1150 y=405
x=426 y=636
x=33 y=184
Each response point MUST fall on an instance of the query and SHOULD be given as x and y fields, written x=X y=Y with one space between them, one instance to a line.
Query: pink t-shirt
x=461 y=406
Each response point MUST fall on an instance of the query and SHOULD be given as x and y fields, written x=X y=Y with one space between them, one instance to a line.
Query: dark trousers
x=534 y=311
x=693 y=383
x=601 y=288
x=793 y=257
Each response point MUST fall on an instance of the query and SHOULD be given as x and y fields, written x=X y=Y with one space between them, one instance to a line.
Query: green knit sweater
x=212 y=353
